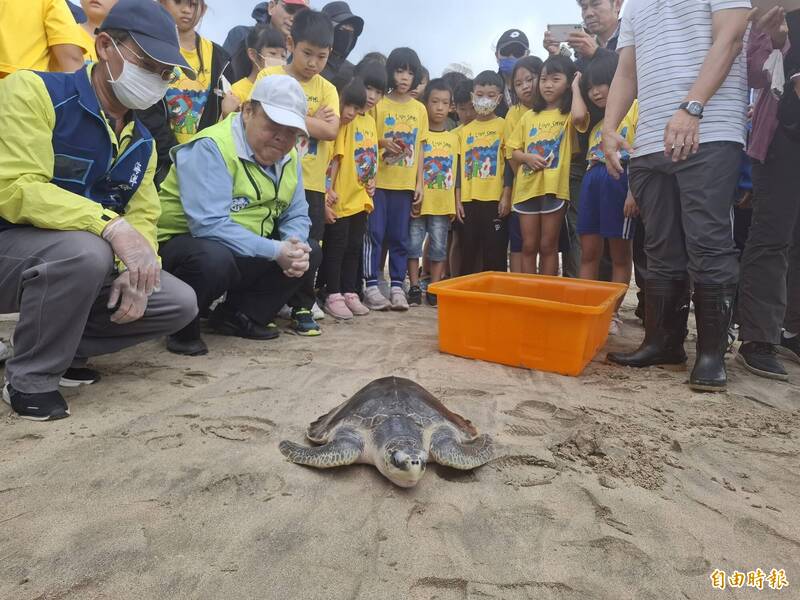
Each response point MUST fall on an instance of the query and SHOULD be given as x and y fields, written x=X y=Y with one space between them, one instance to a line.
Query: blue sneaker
x=303 y=323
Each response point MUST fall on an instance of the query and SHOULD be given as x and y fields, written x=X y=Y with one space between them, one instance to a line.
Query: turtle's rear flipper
x=448 y=450
x=343 y=449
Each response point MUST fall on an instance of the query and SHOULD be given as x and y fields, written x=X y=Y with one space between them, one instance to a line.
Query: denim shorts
x=436 y=226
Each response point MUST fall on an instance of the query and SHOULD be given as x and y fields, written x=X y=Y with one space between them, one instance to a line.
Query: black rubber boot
x=713 y=307
x=666 y=313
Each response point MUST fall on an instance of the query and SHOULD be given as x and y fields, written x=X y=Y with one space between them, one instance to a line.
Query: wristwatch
x=694 y=108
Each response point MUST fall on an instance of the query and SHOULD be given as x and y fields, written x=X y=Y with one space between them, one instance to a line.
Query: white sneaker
x=399 y=300
x=6 y=351
x=317 y=312
x=374 y=300
x=285 y=313
x=615 y=328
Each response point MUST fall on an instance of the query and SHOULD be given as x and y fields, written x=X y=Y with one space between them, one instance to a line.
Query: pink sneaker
x=336 y=307
x=353 y=302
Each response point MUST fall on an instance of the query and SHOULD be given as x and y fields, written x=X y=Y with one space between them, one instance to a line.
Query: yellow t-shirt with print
x=357 y=145
x=627 y=129
x=482 y=160
x=186 y=99
x=316 y=154
x=513 y=117
x=440 y=173
x=407 y=124
x=30 y=28
x=550 y=134
x=242 y=89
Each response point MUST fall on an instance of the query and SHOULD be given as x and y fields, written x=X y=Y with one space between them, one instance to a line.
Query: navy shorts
x=602 y=210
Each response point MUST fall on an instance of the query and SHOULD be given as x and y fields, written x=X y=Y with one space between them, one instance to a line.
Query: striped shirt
x=672 y=39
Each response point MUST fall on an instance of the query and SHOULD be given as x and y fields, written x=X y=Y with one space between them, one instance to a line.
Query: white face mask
x=484 y=105
x=137 y=88
x=272 y=61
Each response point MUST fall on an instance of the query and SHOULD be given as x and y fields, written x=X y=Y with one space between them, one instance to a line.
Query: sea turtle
x=396 y=425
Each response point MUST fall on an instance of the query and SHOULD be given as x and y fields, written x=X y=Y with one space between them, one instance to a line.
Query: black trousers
x=255 y=286
x=341 y=254
x=769 y=290
x=305 y=296
x=483 y=235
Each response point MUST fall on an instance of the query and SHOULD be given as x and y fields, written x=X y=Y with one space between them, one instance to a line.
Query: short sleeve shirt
x=440 y=173
x=549 y=134
x=482 y=160
x=357 y=145
x=29 y=28
x=627 y=129
x=672 y=39
x=407 y=124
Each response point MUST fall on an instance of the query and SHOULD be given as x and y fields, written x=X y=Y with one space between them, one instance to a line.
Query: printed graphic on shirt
x=306 y=146
x=185 y=109
x=596 y=149
x=550 y=149
x=402 y=133
x=481 y=161
x=366 y=157
x=438 y=166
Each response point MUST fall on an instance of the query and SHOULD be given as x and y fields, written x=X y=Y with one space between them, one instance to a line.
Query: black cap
x=511 y=37
x=152 y=28
x=340 y=13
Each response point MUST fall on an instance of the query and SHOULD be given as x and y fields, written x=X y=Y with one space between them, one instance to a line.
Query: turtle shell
x=385 y=398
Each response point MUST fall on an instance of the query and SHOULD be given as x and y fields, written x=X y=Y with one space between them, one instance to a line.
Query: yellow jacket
x=27 y=196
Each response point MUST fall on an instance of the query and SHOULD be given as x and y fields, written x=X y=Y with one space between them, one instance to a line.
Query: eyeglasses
x=169 y=74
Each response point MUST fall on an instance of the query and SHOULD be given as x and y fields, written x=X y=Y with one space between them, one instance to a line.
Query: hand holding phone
x=561 y=33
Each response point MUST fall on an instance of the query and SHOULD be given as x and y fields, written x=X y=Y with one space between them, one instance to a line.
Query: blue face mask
x=507 y=65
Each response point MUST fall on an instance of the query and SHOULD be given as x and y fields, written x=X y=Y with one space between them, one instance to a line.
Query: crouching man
x=76 y=193
x=235 y=219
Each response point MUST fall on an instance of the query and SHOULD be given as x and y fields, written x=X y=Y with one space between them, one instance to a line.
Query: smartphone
x=560 y=33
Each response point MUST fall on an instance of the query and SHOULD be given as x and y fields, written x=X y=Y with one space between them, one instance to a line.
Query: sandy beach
x=167 y=483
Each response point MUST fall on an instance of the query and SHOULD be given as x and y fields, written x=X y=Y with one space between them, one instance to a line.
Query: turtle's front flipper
x=448 y=450
x=344 y=449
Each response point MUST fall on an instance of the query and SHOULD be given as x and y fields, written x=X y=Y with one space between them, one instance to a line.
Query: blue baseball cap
x=152 y=28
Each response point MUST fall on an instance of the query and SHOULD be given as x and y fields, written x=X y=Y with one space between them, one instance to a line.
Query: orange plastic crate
x=545 y=323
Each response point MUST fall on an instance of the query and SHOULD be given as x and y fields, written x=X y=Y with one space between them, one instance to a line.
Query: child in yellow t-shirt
x=353 y=170
x=96 y=12
x=402 y=124
x=608 y=209
x=309 y=44
x=193 y=105
x=435 y=211
x=266 y=47
x=542 y=146
x=524 y=82
x=483 y=237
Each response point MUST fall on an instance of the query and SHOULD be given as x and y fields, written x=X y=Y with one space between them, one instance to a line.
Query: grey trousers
x=59 y=283
x=687 y=212
x=769 y=294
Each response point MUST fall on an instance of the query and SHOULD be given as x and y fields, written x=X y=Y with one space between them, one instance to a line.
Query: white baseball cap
x=283 y=100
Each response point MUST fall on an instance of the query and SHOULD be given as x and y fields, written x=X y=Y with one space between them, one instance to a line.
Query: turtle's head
x=405 y=468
